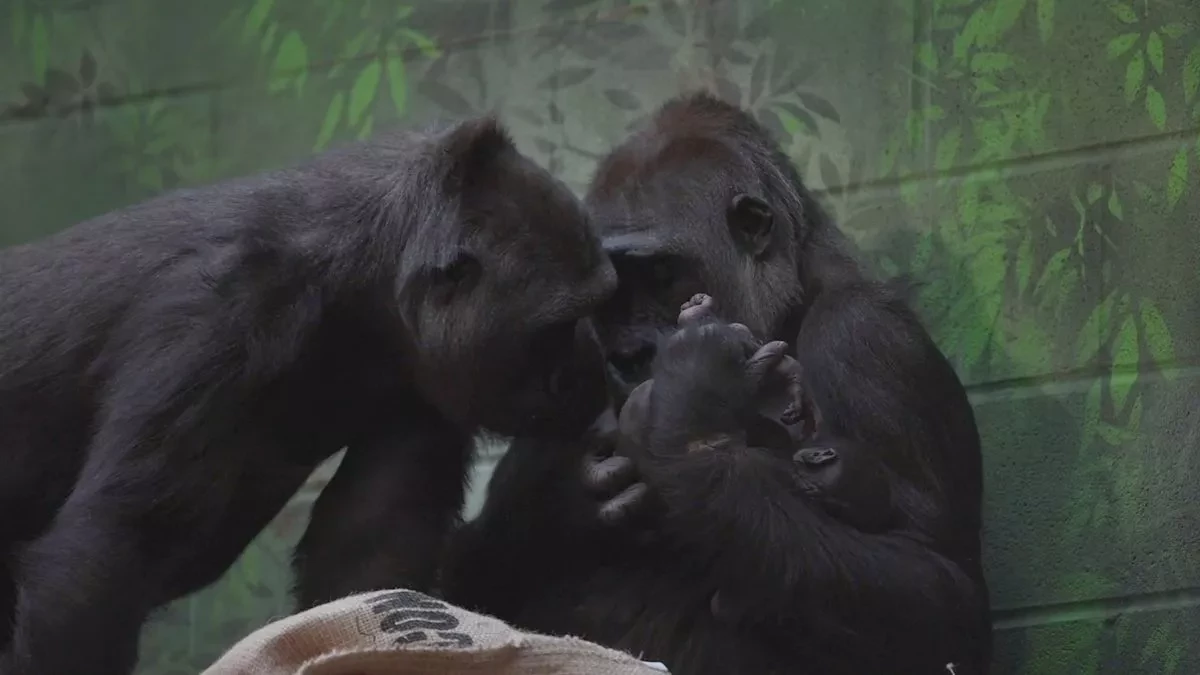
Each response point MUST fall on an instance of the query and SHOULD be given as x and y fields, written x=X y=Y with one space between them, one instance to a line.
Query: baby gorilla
x=769 y=410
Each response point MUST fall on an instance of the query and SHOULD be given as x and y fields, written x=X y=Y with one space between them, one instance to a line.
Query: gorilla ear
x=471 y=146
x=750 y=221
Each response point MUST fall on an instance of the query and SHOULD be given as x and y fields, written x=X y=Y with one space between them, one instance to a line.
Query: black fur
x=740 y=573
x=720 y=389
x=172 y=372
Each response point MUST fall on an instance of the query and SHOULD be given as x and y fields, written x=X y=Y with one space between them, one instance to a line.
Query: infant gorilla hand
x=609 y=478
x=714 y=383
x=767 y=366
x=765 y=360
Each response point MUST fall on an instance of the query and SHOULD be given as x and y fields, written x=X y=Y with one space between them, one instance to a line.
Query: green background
x=1035 y=162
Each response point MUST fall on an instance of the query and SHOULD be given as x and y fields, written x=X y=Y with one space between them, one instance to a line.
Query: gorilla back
x=171 y=373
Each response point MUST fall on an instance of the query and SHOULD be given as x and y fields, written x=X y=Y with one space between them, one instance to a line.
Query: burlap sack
x=403 y=632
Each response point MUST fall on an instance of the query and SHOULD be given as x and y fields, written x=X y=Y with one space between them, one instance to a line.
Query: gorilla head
x=700 y=200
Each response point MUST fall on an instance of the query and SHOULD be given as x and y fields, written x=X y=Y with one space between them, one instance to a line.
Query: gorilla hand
x=611 y=479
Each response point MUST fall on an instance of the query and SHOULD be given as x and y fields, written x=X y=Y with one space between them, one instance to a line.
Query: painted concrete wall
x=1033 y=161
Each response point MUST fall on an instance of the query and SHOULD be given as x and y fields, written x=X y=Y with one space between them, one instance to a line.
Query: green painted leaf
x=1157 y=335
x=1095 y=332
x=1134 y=73
x=1154 y=50
x=1114 y=205
x=1121 y=44
x=333 y=115
x=423 y=42
x=397 y=83
x=291 y=61
x=948 y=21
x=356 y=47
x=1004 y=17
x=256 y=18
x=947 y=149
x=367 y=126
x=1094 y=193
x=927 y=56
x=1125 y=352
x=990 y=62
x=1045 y=16
x=268 y=39
x=790 y=123
x=1177 y=177
x=1054 y=269
x=40 y=43
x=978 y=331
x=1175 y=30
x=1123 y=12
x=970 y=32
x=363 y=92
x=1191 y=74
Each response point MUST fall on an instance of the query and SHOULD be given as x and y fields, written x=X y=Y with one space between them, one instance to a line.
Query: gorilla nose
x=633 y=363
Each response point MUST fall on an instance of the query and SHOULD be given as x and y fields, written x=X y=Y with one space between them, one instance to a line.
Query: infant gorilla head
x=718 y=388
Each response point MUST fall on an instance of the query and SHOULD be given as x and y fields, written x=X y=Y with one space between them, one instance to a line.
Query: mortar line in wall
x=1025 y=164
x=1074 y=381
x=1090 y=610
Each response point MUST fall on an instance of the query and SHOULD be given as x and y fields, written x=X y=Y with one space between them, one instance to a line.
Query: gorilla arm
x=535 y=525
x=778 y=554
x=739 y=514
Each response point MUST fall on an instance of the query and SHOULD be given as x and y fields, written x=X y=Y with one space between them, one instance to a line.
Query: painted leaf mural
x=1034 y=164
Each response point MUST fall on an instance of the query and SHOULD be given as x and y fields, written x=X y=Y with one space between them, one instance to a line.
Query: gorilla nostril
x=633 y=361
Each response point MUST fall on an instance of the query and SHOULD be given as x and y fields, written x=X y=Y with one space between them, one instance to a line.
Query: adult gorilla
x=701 y=200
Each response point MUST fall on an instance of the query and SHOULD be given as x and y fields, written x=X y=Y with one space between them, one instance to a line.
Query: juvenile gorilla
x=722 y=389
x=716 y=563
x=172 y=372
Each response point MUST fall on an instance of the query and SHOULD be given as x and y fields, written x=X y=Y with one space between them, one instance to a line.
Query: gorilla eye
x=464 y=269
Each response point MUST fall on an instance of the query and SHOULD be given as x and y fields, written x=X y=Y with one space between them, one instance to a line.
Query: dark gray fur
x=719 y=562
x=171 y=373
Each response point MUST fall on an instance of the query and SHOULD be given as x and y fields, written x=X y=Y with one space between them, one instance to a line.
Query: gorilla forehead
x=666 y=193
x=683 y=165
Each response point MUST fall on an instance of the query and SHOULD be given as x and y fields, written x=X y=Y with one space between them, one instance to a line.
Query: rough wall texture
x=1035 y=162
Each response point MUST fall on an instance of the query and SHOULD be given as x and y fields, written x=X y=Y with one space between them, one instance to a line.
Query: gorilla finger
x=609 y=475
x=624 y=505
x=743 y=330
x=604 y=432
x=765 y=360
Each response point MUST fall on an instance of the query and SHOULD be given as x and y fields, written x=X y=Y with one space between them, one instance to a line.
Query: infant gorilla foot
x=700 y=310
x=771 y=360
x=696 y=310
